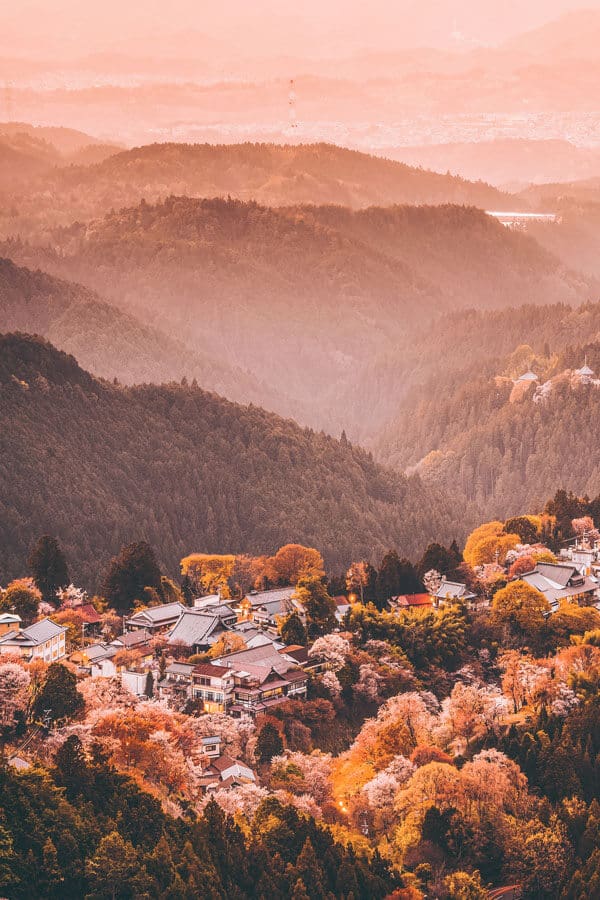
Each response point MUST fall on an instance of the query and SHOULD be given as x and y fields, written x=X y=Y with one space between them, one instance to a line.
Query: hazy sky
x=262 y=27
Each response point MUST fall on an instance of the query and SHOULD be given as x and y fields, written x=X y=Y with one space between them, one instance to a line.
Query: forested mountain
x=263 y=288
x=66 y=142
x=112 y=343
x=497 y=446
x=450 y=350
x=268 y=173
x=99 y=465
x=23 y=158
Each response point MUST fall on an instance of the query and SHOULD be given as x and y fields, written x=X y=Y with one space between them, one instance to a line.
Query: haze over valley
x=299 y=462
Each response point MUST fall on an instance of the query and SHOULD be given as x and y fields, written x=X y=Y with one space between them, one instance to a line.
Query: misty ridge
x=363 y=293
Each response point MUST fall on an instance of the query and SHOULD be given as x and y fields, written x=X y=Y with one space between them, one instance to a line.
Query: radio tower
x=293 y=121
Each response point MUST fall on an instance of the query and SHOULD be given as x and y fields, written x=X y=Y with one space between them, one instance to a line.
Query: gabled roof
x=453 y=590
x=89 y=614
x=209 y=600
x=233 y=767
x=157 y=615
x=194 y=627
x=413 y=600
x=34 y=635
x=296 y=653
x=98 y=652
x=133 y=638
x=558 y=582
x=261 y=656
x=212 y=670
x=276 y=596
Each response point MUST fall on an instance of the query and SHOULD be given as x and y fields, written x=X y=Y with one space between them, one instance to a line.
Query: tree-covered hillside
x=272 y=174
x=111 y=343
x=303 y=298
x=497 y=446
x=99 y=465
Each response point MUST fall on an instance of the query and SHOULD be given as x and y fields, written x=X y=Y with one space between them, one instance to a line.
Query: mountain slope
x=99 y=465
x=271 y=174
x=498 y=446
x=109 y=342
x=305 y=297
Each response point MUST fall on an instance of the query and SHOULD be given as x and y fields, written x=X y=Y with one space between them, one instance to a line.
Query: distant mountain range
x=100 y=465
x=511 y=163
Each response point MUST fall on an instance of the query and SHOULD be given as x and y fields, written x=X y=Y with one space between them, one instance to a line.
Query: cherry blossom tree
x=14 y=681
x=333 y=648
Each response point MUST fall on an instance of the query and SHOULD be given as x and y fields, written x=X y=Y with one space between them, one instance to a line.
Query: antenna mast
x=293 y=121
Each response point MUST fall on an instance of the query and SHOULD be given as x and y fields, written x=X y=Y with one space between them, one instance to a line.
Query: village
x=244 y=656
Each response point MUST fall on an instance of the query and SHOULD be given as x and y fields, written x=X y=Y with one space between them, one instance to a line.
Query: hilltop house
x=155 y=619
x=225 y=772
x=133 y=640
x=557 y=582
x=212 y=686
x=262 y=678
x=411 y=601
x=265 y=607
x=452 y=592
x=197 y=630
x=43 y=640
x=176 y=685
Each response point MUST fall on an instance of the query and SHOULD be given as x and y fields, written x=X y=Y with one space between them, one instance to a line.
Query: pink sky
x=262 y=27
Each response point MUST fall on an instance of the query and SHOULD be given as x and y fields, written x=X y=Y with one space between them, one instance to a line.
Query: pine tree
x=48 y=568
x=72 y=769
x=113 y=866
x=129 y=574
x=269 y=743
x=293 y=631
x=58 y=696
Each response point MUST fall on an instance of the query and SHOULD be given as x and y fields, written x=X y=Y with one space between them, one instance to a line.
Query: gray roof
x=98 y=652
x=264 y=598
x=43 y=631
x=553 y=582
x=155 y=615
x=255 y=659
x=133 y=638
x=453 y=590
x=193 y=627
x=178 y=668
x=36 y=634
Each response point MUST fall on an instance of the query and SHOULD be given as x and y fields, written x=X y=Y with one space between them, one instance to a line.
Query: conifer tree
x=48 y=568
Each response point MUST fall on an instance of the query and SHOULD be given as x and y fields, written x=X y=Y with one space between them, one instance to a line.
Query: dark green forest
x=83 y=830
x=472 y=434
x=99 y=465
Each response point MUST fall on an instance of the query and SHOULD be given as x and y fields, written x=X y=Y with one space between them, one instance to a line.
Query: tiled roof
x=156 y=615
x=133 y=638
x=414 y=600
x=43 y=631
x=194 y=627
x=89 y=614
x=276 y=596
x=211 y=670
x=98 y=652
x=453 y=590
